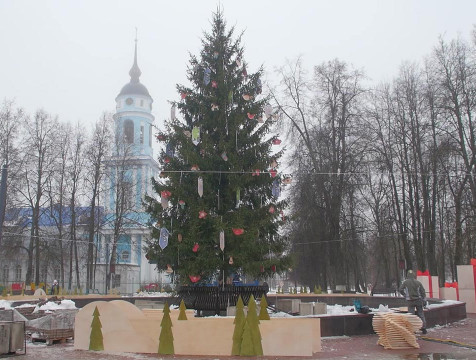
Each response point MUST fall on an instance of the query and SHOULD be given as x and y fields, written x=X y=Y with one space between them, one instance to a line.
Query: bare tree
x=96 y=152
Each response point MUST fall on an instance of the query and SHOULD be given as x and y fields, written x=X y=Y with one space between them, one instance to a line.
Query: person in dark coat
x=54 y=288
x=415 y=295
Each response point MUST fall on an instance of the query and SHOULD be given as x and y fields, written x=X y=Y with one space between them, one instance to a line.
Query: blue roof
x=50 y=216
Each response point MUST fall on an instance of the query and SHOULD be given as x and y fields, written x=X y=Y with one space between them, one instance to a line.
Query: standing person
x=414 y=293
x=54 y=288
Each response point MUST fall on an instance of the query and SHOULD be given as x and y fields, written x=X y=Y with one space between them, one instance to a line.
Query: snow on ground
x=5 y=304
x=50 y=305
x=152 y=294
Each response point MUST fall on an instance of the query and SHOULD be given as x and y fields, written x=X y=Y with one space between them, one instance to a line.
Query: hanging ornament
x=166 y=160
x=179 y=237
x=260 y=119
x=230 y=96
x=206 y=76
x=215 y=55
x=163 y=238
x=170 y=150
x=169 y=269
x=276 y=141
x=230 y=261
x=273 y=268
x=164 y=198
x=268 y=111
x=195 y=167
x=271 y=209
x=200 y=186
x=287 y=180
x=238 y=231
x=273 y=172
x=161 y=137
x=259 y=86
x=247 y=97
x=172 y=112
x=251 y=116
x=196 y=135
x=282 y=216
x=181 y=203
x=195 y=247
x=256 y=172
x=215 y=107
x=202 y=214
x=214 y=84
x=157 y=225
x=187 y=133
x=273 y=164
x=222 y=240
x=238 y=197
x=183 y=95
x=194 y=278
x=261 y=268
x=224 y=156
x=238 y=61
x=244 y=72
x=276 y=191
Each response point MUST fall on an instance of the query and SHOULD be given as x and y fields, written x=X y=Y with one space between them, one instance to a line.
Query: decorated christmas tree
x=166 y=338
x=263 y=311
x=96 y=339
x=182 y=314
x=219 y=185
x=239 y=326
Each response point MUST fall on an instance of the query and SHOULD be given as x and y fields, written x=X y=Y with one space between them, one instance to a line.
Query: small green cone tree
x=96 y=339
x=239 y=326
x=263 y=311
x=182 y=314
x=247 y=346
x=219 y=174
x=253 y=323
x=166 y=338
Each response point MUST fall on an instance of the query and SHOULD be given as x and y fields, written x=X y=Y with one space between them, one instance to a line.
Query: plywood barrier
x=125 y=328
x=396 y=331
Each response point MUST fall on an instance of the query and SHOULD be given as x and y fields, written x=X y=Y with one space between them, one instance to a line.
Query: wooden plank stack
x=396 y=331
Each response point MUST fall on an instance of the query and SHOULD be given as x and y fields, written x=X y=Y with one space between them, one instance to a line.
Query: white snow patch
x=5 y=304
x=51 y=306
x=24 y=306
x=152 y=294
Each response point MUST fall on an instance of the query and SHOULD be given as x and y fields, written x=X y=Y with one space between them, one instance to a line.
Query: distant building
x=132 y=165
x=133 y=160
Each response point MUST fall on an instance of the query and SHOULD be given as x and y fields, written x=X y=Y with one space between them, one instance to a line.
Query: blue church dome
x=134 y=89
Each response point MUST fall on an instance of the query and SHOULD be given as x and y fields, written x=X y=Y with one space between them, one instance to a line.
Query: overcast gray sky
x=72 y=57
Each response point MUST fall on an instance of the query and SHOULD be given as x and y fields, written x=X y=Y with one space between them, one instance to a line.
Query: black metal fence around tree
x=218 y=298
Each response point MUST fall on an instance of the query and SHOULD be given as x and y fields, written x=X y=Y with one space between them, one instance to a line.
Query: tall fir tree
x=219 y=186
x=166 y=338
x=95 y=338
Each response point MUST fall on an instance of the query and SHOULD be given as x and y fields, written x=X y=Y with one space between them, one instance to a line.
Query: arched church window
x=129 y=131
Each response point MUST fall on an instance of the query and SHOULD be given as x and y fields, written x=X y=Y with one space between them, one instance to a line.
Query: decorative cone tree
x=219 y=178
x=96 y=339
x=253 y=323
x=182 y=314
x=239 y=326
x=263 y=310
x=166 y=338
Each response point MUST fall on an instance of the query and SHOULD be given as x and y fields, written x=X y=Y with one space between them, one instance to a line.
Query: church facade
x=130 y=169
